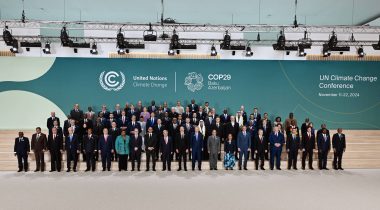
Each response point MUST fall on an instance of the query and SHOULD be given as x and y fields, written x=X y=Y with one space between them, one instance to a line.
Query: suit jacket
x=54 y=145
x=120 y=122
x=219 y=130
x=308 y=143
x=22 y=146
x=106 y=114
x=193 y=107
x=59 y=130
x=224 y=119
x=273 y=139
x=339 y=143
x=132 y=128
x=196 y=144
x=114 y=133
x=135 y=142
x=150 y=141
x=244 y=142
x=213 y=145
x=116 y=114
x=234 y=130
x=187 y=115
x=182 y=144
x=293 y=144
x=105 y=146
x=76 y=115
x=50 y=122
x=166 y=148
x=40 y=144
x=159 y=131
x=90 y=144
x=152 y=108
x=173 y=130
x=151 y=123
x=72 y=145
x=324 y=145
x=260 y=145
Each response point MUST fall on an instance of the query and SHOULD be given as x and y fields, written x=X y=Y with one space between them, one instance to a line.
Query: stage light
x=122 y=51
x=65 y=39
x=150 y=35
x=14 y=48
x=213 y=51
x=333 y=41
x=301 y=51
x=361 y=52
x=258 y=37
x=376 y=46
x=7 y=36
x=325 y=51
x=226 y=44
x=248 y=52
x=46 y=50
x=94 y=49
x=233 y=53
x=171 y=52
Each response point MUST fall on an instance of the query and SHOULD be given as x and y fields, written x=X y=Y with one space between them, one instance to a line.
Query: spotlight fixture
x=325 y=51
x=376 y=46
x=94 y=49
x=226 y=44
x=150 y=35
x=213 y=51
x=281 y=44
x=46 y=50
x=65 y=39
x=122 y=51
x=361 y=52
x=332 y=44
x=7 y=36
x=171 y=52
x=248 y=52
x=301 y=51
x=305 y=42
x=14 y=48
x=233 y=52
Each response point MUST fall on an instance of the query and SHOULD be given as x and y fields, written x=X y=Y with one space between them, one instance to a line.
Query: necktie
x=54 y=136
x=150 y=135
x=105 y=138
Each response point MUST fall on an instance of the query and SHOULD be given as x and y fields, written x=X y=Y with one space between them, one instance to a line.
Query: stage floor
x=349 y=189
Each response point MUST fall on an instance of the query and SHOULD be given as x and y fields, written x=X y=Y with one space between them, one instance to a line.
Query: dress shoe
x=199 y=169
x=104 y=169
x=295 y=168
x=163 y=169
x=340 y=168
x=311 y=168
x=147 y=170
x=51 y=170
x=279 y=169
x=262 y=168
x=179 y=169
x=19 y=170
x=36 y=170
x=26 y=170
x=133 y=169
x=154 y=169
x=109 y=169
x=68 y=170
x=245 y=169
x=75 y=170
x=271 y=169
x=59 y=170
x=169 y=169
x=335 y=168
x=240 y=168
x=87 y=170
x=138 y=169
x=326 y=169
x=186 y=169
x=215 y=169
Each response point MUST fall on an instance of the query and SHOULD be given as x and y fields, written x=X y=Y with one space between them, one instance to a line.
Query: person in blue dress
x=229 y=152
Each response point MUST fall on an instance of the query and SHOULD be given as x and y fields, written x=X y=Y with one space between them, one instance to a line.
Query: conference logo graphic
x=194 y=81
x=112 y=80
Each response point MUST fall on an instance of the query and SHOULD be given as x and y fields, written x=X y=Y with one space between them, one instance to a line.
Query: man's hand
x=334 y=150
x=187 y=151
x=61 y=151
x=249 y=149
x=303 y=150
x=238 y=149
x=256 y=152
x=176 y=151
x=78 y=151
x=287 y=150
x=112 y=151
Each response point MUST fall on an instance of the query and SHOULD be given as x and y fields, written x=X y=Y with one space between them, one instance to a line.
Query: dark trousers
x=166 y=160
x=56 y=160
x=90 y=161
x=22 y=162
x=196 y=157
x=40 y=160
x=275 y=153
x=259 y=156
x=292 y=159
x=213 y=160
x=150 y=155
x=241 y=154
x=72 y=156
x=182 y=156
x=84 y=155
x=114 y=156
x=337 y=162
x=322 y=156
x=253 y=154
x=106 y=160
x=310 y=154
x=123 y=162
x=136 y=157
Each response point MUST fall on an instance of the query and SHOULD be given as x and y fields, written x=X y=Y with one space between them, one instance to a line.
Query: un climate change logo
x=112 y=80
x=194 y=81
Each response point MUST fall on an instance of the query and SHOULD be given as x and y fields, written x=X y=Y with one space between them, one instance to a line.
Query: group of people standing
x=178 y=133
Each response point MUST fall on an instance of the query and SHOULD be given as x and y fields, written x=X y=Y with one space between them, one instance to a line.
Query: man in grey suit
x=213 y=146
x=243 y=145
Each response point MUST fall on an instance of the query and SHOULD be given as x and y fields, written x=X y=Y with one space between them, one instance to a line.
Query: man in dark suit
x=122 y=122
x=150 y=148
x=324 y=147
x=151 y=122
x=166 y=149
x=133 y=112
x=182 y=148
x=339 y=147
x=217 y=125
x=76 y=113
x=152 y=108
x=106 y=149
x=193 y=106
x=244 y=146
x=308 y=147
x=225 y=117
x=72 y=148
x=114 y=131
x=56 y=126
x=260 y=149
x=90 y=145
x=132 y=125
x=55 y=146
x=39 y=142
x=51 y=119
x=196 y=148
x=21 y=150
x=187 y=113
x=256 y=116
x=66 y=125
x=173 y=127
x=135 y=145
x=232 y=128
x=117 y=112
x=276 y=140
x=158 y=130
x=106 y=113
x=292 y=147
